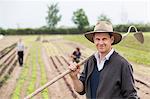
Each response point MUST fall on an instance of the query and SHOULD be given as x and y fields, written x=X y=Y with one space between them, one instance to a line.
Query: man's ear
x=112 y=39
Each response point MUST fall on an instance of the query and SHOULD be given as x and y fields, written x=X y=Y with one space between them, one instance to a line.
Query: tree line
x=79 y=18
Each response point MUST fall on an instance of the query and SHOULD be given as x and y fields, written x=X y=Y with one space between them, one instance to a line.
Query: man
x=20 y=52
x=106 y=74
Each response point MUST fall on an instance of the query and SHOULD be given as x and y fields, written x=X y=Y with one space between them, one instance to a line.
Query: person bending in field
x=76 y=55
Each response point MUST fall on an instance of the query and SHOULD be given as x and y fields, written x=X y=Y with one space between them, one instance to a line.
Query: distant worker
x=20 y=52
x=76 y=55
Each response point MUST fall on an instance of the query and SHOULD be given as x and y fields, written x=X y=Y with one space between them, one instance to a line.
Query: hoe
x=138 y=35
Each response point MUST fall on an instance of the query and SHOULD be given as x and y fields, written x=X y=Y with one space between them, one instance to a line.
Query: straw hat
x=103 y=27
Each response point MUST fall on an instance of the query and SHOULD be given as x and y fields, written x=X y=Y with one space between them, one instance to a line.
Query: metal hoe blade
x=139 y=36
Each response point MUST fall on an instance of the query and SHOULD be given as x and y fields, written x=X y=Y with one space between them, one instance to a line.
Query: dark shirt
x=116 y=79
x=77 y=56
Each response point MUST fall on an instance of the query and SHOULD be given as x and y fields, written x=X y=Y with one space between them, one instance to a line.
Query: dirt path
x=58 y=87
x=58 y=65
x=142 y=77
x=51 y=73
x=38 y=78
x=7 y=89
x=48 y=69
x=143 y=91
x=60 y=70
x=142 y=72
x=64 y=61
x=7 y=41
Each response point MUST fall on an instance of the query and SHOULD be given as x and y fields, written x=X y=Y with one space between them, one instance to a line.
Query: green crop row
x=22 y=78
x=43 y=73
x=34 y=59
x=32 y=81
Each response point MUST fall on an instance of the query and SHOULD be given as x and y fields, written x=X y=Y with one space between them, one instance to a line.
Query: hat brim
x=117 y=36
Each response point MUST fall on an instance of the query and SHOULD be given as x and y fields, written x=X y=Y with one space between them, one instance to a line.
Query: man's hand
x=75 y=69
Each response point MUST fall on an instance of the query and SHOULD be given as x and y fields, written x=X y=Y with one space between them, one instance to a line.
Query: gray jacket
x=116 y=77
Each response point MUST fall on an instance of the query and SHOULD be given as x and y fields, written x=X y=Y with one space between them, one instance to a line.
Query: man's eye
x=97 y=39
x=104 y=38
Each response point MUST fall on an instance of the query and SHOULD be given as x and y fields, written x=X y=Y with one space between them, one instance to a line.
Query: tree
x=103 y=17
x=53 y=18
x=80 y=19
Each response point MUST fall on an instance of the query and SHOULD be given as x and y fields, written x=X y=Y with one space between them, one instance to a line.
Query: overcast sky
x=32 y=13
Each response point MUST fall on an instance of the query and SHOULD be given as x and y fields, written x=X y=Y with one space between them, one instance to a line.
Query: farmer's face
x=103 y=42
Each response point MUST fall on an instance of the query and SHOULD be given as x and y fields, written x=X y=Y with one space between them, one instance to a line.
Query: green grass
x=79 y=39
x=129 y=48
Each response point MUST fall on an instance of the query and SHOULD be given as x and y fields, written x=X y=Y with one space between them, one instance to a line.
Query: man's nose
x=100 y=42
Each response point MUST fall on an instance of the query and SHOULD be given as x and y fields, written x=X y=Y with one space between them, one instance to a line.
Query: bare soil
x=57 y=64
